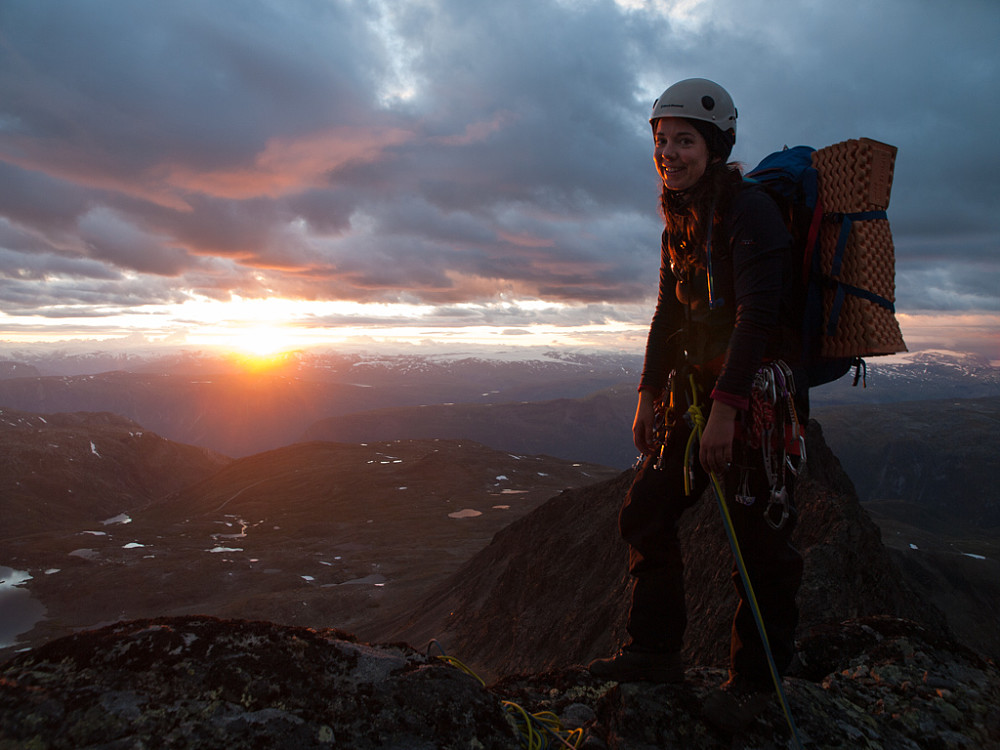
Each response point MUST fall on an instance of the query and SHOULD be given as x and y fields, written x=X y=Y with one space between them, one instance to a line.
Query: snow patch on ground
x=122 y=518
x=375 y=579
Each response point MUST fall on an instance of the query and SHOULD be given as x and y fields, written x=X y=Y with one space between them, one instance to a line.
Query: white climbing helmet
x=698 y=99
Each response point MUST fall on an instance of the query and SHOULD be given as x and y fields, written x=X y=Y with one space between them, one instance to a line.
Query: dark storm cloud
x=123 y=86
x=36 y=200
x=453 y=151
x=38 y=266
x=85 y=296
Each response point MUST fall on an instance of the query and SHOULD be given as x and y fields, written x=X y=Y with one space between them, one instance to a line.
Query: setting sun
x=262 y=341
x=260 y=349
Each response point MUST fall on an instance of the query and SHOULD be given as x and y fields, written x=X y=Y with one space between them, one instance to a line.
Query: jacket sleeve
x=759 y=243
x=663 y=344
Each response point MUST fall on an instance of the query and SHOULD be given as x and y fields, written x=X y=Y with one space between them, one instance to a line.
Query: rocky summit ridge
x=198 y=682
x=879 y=668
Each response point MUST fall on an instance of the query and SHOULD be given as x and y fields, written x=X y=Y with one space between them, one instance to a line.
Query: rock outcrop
x=888 y=684
x=878 y=682
x=206 y=683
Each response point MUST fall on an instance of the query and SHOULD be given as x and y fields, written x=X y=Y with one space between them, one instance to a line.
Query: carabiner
x=779 y=499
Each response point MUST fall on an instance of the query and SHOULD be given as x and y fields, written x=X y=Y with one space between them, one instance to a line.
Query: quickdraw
x=666 y=411
x=772 y=426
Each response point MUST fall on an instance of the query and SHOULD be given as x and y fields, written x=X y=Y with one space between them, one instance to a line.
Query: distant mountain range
x=922 y=431
x=898 y=442
x=226 y=406
x=920 y=376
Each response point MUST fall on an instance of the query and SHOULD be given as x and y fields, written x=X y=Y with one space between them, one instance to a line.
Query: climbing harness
x=538 y=731
x=697 y=419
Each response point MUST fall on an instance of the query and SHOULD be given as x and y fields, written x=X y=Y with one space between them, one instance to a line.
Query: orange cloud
x=65 y=161
x=290 y=165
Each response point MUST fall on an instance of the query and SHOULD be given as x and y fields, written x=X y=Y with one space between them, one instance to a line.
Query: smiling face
x=680 y=153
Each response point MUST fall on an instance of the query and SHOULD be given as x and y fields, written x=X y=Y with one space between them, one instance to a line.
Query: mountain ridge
x=45 y=459
x=548 y=624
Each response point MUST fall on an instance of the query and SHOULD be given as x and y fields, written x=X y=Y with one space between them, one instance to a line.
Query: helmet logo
x=708 y=103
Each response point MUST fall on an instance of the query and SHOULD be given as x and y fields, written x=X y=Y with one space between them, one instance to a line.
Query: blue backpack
x=790 y=178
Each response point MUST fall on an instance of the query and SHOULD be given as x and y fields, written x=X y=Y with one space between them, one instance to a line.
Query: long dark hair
x=686 y=213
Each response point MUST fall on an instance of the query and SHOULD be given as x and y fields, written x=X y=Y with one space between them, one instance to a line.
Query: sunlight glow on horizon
x=264 y=329
x=267 y=327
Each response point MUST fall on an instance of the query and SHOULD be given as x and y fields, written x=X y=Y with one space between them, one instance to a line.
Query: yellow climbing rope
x=698 y=425
x=528 y=726
x=538 y=731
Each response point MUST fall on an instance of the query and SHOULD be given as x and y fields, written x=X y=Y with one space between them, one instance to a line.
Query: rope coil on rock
x=538 y=731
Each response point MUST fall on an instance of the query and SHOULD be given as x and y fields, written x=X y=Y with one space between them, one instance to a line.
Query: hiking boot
x=736 y=704
x=635 y=664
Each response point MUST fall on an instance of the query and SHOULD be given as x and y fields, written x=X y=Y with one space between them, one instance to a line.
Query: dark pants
x=648 y=522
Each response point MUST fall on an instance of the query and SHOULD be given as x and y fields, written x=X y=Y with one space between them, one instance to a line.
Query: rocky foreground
x=206 y=683
x=880 y=666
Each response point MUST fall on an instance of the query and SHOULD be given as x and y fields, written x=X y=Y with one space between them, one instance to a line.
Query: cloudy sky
x=427 y=169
